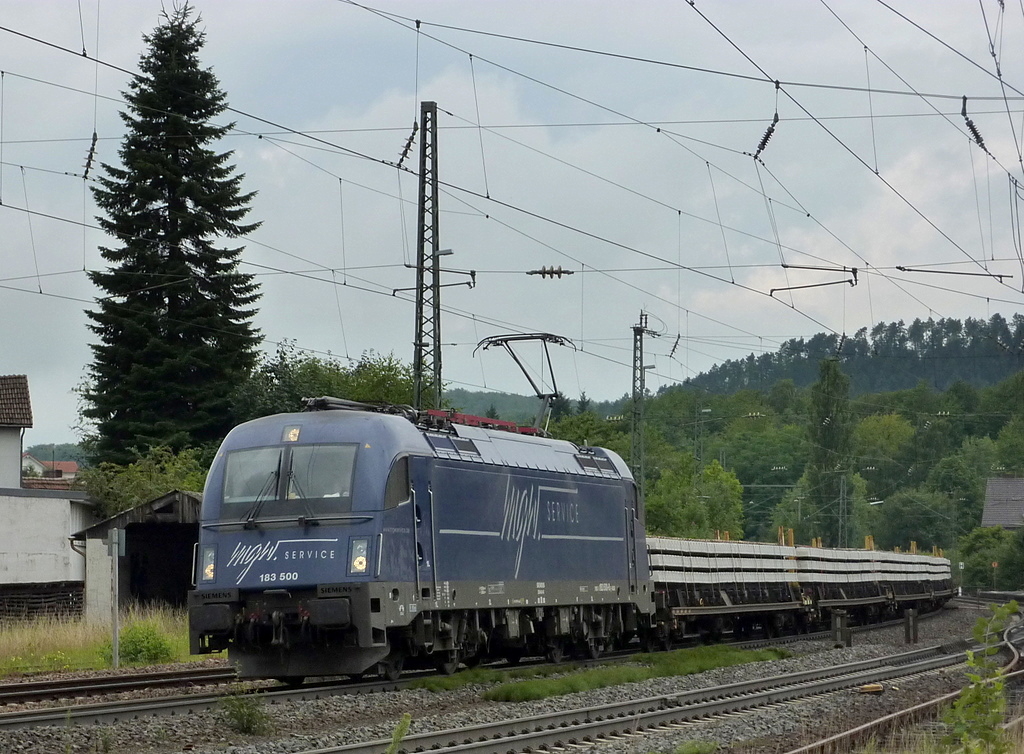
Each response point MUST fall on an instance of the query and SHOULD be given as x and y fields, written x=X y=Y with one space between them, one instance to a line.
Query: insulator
x=974 y=132
x=554 y=272
x=767 y=136
x=971 y=127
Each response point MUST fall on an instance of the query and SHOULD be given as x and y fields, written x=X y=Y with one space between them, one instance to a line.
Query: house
x=15 y=418
x=1004 y=503
x=33 y=467
x=39 y=570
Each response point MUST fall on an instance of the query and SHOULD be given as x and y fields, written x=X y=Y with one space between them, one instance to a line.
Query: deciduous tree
x=149 y=475
x=280 y=382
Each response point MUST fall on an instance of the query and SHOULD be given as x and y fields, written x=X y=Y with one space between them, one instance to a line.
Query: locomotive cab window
x=398 y=489
x=251 y=475
x=321 y=471
x=293 y=480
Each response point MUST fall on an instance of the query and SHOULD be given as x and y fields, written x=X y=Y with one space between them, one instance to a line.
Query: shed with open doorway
x=159 y=537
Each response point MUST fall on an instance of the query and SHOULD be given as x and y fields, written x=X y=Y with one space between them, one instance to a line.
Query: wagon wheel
x=555 y=652
x=665 y=641
x=648 y=641
x=447 y=662
x=593 y=648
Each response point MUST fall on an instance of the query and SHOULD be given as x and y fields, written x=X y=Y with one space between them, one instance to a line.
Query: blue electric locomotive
x=345 y=540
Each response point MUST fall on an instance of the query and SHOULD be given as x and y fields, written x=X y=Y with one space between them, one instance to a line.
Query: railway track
x=1013 y=640
x=23 y=692
x=629 y=718
x=121 y=710
x=125 y=710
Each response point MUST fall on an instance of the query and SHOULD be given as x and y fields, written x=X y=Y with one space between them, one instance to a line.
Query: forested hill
x=892 y=356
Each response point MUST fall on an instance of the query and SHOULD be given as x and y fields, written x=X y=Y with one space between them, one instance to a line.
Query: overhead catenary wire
x=999 y=74
x=378 y=290
x=634 y=58
x=583 y=265
x=913 y=207
x=31 y=234
x=349 y=151
x=871 y=107
x=718 y=213
x=479 y=131
x=386 y=162
x=2 y=81
x=476 y=212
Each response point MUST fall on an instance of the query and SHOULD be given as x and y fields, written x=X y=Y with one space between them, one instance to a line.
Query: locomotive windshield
x=293 y=480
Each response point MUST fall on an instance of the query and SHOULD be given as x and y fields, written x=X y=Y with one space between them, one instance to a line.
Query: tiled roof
x=15 y=406
x=1004 y=503
x=65 y=467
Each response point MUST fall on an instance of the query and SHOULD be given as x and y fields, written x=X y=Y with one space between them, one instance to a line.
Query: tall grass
x=54 y=644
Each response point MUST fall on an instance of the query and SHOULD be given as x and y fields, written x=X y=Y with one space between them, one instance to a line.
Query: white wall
x=34 y=531
x=10 y=457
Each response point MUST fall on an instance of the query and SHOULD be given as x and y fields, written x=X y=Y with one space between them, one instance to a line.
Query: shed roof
x=1004 y=503
x=15 y=406
x=176 y=507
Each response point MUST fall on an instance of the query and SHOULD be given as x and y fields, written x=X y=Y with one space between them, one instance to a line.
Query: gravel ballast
x=333 y=721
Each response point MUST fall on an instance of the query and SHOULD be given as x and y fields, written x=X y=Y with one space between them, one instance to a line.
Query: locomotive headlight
x=357 y=555
x=209 y=563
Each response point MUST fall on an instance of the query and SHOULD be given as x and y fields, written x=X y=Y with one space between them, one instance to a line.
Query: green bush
x=975 y=718
x=141 y=643
x=245 y=714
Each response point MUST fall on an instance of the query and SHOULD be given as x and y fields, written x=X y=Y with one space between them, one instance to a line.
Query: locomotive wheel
x=448 y=662
x=390 y=668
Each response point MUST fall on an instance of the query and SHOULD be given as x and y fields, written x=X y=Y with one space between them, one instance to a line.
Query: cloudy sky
x=615 y=140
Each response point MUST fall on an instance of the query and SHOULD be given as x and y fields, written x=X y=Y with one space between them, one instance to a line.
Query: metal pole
x=115 y=618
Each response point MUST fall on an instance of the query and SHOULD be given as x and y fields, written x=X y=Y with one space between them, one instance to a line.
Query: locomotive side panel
x=507 y=536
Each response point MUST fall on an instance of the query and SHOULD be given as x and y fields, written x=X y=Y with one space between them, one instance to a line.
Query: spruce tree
x=175 y=333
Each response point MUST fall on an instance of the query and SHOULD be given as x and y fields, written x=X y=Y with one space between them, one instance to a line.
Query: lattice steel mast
x=426 y=363
x=636 y=454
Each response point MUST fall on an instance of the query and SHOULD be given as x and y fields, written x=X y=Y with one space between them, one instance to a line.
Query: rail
x=849 y=739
